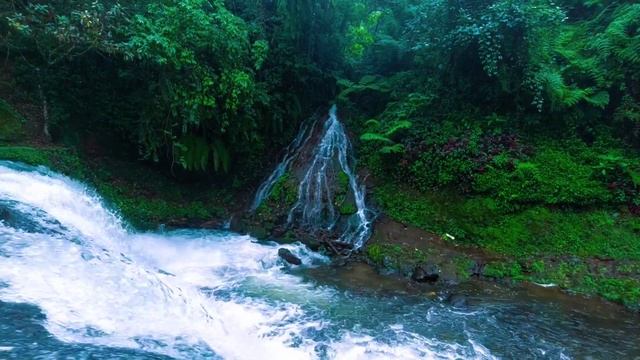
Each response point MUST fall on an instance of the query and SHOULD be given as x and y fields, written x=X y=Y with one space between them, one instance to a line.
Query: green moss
x=347 y=208
x=62 y=160
x=375 y=253
x=574 y=275
x=283 y=195
x=626 y=291
x=11 y=123
x=463 y=266
x=511 y=270
x=284 y=191
x=394 y=256
x=342 y=180
x=343 y=199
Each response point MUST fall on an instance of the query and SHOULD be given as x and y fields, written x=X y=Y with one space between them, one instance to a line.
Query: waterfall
x=315 y=209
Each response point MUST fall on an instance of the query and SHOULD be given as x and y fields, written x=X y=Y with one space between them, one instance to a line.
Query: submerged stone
x=457 y=300
x=289 y=257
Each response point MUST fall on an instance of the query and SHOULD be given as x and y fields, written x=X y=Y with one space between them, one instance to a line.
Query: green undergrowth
x=538 y=243
x=59 y=159
x=11 y=123
x=144 y=196
x=609 y=280
x=550 y=177
x=282 y=196
x=394 y=256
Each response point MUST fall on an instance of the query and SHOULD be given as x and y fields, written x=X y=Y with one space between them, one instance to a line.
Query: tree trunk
x=45 y=114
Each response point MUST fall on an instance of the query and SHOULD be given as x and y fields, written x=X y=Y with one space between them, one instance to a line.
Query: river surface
x=76 y=283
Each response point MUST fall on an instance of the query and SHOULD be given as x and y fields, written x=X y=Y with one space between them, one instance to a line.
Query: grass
x=394 y=255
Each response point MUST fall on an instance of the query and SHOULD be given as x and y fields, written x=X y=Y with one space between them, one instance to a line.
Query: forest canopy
x=217 y=86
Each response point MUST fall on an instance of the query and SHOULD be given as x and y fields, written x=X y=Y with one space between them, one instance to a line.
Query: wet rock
x=426 y=273
x=288 y=256
x=457 y=300
x=257 y=232
x=211 y=224
x=477 y=269
x=279 y=232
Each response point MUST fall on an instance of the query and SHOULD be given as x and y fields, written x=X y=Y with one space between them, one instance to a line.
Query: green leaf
x=375 y=137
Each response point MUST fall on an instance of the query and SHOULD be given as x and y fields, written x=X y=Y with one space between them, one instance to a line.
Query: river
x=76 y=282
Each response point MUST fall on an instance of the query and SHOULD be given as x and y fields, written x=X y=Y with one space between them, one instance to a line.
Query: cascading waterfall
x=315 y=208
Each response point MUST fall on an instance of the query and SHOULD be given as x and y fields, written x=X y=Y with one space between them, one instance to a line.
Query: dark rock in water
x=211 y=224
x=457 y=300
x=288 y=256
x=426 y=273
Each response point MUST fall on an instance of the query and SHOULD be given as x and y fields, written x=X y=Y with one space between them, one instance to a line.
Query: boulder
x=288 y=256
x=457 y=300
x=426 y=273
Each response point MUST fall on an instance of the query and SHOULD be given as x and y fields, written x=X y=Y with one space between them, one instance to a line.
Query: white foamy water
x=186 y=294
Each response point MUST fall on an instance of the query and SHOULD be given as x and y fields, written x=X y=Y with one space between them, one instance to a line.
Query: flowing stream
x=77 y=283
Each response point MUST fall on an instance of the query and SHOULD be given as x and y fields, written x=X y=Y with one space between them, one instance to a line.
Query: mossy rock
x=11 y=123
x=347 y=208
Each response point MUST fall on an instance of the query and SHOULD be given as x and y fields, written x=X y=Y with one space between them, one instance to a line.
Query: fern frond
x=392 y=149
x=375 y=137
x=403 y=124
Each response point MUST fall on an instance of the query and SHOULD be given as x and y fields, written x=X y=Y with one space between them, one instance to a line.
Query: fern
x=375 y=137
x=599 y=100
x=393 y=149
x=384 y=136
x=403 y=124
x=195 y=154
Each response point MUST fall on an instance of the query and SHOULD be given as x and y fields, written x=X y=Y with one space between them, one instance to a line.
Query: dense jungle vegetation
x=512 y=126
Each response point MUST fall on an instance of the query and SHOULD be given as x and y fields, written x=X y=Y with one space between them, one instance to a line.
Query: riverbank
x=592 y=251
x=79 y=283
x=402 y=239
